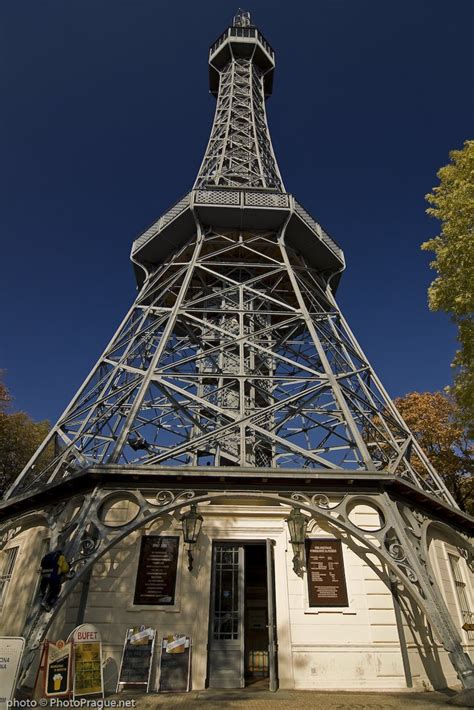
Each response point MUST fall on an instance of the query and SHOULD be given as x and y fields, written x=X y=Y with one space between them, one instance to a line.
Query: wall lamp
x=297 y=524
x=191 y=522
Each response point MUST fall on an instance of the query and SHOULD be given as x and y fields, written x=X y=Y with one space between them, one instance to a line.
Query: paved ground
x=294 y=699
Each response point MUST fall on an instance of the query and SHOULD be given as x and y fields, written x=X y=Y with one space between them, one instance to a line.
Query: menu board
x=137 y=657
x=175 y=664
x=157 y=567
x=326 y=578
x=87 y=669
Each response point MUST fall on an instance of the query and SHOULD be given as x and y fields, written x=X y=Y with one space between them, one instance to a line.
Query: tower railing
x=244 y=32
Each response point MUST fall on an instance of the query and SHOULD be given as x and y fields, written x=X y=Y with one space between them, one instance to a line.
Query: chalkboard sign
x=175 y=664
x=156 y=574
x=137 y=657
x=326 y=578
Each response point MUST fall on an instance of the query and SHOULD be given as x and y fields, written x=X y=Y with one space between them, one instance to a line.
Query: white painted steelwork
x=235 y=372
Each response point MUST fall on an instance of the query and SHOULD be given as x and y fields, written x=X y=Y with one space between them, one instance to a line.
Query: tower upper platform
x=239 y=184
x=240 y=151
x=241 y=40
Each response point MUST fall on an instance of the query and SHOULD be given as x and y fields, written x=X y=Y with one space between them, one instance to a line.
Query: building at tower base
x=232 y=469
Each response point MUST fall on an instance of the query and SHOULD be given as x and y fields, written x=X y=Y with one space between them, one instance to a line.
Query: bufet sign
x=85 y=633
x=11 y=651
x=87 y=667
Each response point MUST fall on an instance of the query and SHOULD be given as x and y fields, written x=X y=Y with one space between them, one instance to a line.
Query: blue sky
x=106 y=114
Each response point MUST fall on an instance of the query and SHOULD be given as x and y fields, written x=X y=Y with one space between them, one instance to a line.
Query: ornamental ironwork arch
x=400 y=543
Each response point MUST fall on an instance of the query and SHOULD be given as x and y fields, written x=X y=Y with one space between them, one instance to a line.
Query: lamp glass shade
x=297 y=525
x=191 y=522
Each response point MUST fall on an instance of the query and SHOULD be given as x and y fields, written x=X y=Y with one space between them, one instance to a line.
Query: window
x=226 y=594
x=459 y=583
x=7 y=571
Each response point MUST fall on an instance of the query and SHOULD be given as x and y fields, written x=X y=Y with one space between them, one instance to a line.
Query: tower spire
x=240 y=152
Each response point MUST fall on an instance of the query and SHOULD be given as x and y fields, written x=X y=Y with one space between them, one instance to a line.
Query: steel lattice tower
x=235 y=360
x=235 y=352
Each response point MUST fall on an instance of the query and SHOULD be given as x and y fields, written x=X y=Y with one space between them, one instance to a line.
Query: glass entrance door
x=226 y=642
x=242 y=644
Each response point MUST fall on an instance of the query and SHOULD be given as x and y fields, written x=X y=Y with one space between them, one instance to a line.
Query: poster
x=57 y=669
x=11 y=652
x=157 y=568
x=137 y=657
x=87 y=669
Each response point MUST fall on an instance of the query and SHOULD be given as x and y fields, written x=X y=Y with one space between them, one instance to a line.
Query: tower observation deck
x=235 y=353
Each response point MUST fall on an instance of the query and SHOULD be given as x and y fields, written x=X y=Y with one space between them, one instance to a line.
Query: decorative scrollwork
x=164 y=498
x=409 y=573
x=88 y=546
x=321 y=500
x=396 y=551
x=9 y=535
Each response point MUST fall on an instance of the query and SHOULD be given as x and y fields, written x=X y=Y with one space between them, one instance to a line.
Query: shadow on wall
x=415 y=619
x=423 y=638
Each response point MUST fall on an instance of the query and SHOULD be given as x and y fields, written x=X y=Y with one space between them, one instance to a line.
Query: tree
x=452 y=290
x=434 y=420
x=4 y=395
x=20 y=436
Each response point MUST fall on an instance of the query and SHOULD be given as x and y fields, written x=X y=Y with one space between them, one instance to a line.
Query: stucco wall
x=345 y=648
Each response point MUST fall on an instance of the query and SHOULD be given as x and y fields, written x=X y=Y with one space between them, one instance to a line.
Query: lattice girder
x=240 y=152
x=234 y=353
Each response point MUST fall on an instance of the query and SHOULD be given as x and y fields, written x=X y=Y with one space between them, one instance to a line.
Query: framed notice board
x=157 y=568
x=88 y=669
x=325 y=571
x=137 y=657
x=175 y=664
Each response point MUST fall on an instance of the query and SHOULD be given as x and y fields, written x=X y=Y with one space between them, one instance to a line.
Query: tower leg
x=412 y=550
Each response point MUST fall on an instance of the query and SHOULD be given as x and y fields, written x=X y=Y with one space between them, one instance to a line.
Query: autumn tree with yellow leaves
x=20 y=436
x=452 y=291
x=433 y=418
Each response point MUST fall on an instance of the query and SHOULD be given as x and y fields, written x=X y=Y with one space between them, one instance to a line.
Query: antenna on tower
x=242 y=18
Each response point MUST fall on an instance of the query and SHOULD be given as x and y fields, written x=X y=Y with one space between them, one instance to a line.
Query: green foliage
x=433 y=418
x=20 y=436
x=452 y=290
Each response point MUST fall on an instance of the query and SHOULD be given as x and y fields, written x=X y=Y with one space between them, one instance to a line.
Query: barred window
x=460 y=584
x=7 y=571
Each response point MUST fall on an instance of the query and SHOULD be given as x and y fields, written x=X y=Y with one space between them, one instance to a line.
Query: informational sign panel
x=87 y=671
x=57 y=669
x=326 y=578
x=137 y=657
x=157 y=567
x=11 y=652
x=175 y=664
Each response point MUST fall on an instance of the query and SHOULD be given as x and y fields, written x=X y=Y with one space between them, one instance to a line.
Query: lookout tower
x=234 y=380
